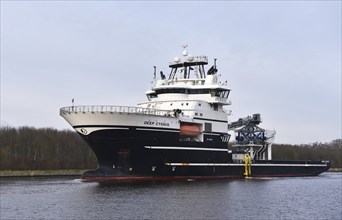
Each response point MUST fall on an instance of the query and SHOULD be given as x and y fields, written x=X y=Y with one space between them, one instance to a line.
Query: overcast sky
x=281 y=59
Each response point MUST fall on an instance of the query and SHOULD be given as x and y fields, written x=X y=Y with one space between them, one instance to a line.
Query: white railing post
x=116 y=109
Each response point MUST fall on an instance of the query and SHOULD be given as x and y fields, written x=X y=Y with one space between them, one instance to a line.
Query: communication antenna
x=185 y=53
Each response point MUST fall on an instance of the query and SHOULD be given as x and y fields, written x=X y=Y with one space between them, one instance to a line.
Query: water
x=268 y=198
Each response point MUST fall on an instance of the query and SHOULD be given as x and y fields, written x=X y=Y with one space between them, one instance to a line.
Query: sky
x=281 y=59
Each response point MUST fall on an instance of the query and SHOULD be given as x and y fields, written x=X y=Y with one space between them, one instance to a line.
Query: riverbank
x=335 y=170
x=37 y=173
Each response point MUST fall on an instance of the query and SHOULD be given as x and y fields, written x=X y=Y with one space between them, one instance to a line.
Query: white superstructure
x=197 y=93
x=188 y=95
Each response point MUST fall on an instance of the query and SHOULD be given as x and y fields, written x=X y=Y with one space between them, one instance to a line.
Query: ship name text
x=157 y=123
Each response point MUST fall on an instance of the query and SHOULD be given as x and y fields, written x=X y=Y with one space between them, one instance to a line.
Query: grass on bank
x=31 y=173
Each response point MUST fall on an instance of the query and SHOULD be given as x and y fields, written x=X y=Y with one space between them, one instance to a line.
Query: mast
x=182 y=68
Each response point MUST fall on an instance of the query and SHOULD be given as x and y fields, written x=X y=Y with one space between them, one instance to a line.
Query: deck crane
x=251 y=139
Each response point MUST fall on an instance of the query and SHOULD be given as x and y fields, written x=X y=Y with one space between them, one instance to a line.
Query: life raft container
x=190 y=130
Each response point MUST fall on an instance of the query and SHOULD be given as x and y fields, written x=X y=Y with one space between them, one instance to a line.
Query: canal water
x=317 y=197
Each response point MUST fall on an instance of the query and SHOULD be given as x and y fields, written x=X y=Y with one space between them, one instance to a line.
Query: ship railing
x=114 y=109
x=190 y=59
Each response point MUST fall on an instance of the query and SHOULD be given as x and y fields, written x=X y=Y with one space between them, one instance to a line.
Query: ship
x=181 y=132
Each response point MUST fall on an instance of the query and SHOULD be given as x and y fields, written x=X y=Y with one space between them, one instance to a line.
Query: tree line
x=29 y=148
x=315 y=151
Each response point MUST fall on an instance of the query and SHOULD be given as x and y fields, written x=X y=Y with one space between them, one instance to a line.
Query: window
x=151 y=96
x=207 y=127
x=180 y=90
x=220 y=93
x=214 y=92
x=199 y=91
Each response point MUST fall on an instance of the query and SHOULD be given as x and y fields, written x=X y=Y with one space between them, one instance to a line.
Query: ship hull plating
x=137 y=153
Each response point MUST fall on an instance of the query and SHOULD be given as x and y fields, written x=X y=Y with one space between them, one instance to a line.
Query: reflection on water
x=264 y=198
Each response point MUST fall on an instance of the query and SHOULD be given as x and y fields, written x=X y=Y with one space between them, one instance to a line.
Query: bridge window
x=199 y=91
x=151 y=96
x=162 y=91
x=214 y=92
x=220 y=93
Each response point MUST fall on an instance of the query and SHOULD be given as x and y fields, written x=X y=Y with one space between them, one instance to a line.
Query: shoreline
x=74 y=172
x=335 y=170
x=40 y=173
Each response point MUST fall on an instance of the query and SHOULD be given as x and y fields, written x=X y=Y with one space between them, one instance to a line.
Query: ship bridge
x=189 y=87
x=189 y=80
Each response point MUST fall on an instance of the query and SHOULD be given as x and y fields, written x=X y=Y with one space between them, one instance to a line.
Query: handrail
x=114 y=109
x=190 y=59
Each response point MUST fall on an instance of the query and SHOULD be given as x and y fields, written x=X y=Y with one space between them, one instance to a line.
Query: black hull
x=231 y=171
x=136 y=154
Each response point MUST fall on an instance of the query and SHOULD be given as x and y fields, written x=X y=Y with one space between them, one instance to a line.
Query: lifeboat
x=189 y=130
